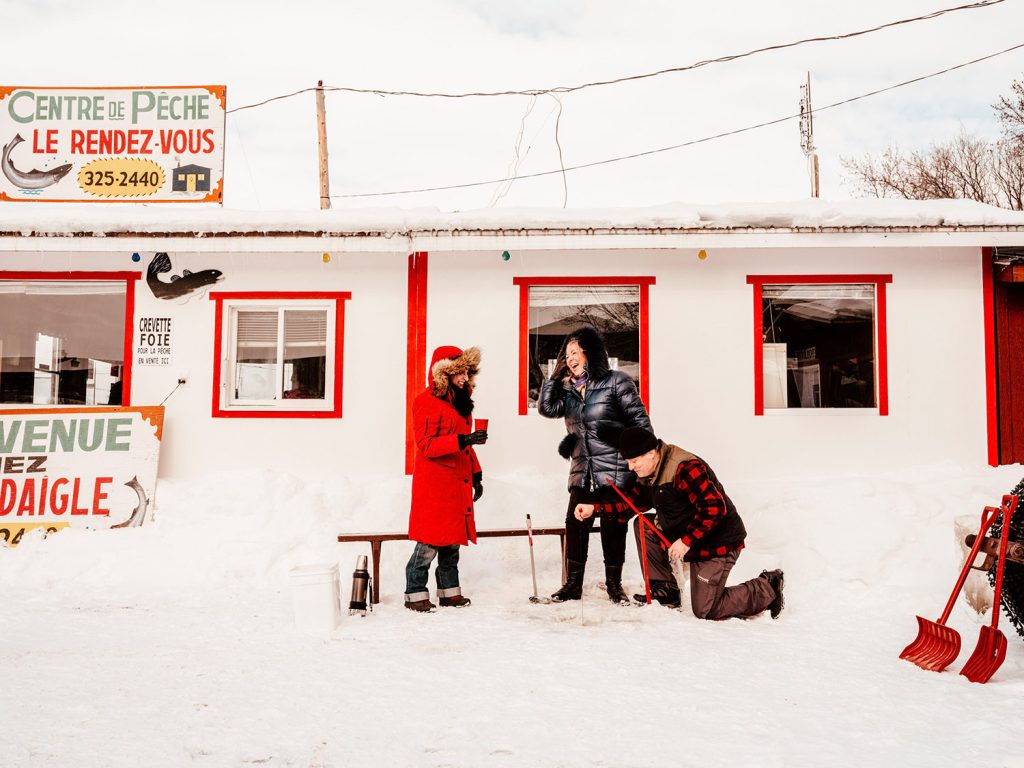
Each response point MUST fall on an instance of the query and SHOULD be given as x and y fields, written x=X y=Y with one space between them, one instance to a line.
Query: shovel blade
x=988 y=656
x=935 y=647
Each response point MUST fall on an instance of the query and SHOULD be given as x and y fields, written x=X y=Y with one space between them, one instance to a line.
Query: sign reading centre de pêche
x=93 y=467
x=113 y=145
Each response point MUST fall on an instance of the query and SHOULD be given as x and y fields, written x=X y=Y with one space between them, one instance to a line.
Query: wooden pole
x=321 y=129
x=817 y=187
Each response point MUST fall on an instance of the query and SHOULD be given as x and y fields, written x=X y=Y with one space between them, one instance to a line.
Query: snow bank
x=173 y=644
x=243 y=531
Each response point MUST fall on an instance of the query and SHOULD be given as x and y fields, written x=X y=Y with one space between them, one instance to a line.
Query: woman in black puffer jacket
x=597 y=403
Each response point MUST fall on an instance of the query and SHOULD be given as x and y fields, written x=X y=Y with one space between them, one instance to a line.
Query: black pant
x=577 y=534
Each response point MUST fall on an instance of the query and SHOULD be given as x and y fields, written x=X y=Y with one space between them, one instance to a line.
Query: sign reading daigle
x=94 y=467
x=162 y=145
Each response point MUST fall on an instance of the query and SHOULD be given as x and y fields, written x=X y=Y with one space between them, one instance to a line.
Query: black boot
x=613 y=584
x=664 y=592
x=573 y=587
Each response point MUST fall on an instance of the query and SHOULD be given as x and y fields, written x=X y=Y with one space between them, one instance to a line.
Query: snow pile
x=173 y=644
x=243 y=531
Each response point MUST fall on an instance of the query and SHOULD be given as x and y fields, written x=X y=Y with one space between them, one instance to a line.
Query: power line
x=691 y=143
x=644 y=76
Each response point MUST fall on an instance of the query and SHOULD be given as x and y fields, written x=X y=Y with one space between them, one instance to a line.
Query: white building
x=776 y=340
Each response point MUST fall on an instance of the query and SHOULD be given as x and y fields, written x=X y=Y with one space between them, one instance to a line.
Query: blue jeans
x=418 y=569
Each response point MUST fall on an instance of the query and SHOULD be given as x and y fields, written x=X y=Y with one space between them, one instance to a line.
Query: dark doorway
x=1008 y=295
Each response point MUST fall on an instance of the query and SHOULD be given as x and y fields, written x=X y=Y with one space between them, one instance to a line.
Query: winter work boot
x=421 y=606
x=613 y=584
x=455 y=601
x=664 y=592
x=778 y=582
x=573 y=587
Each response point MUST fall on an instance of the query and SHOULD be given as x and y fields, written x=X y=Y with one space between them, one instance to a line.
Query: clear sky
x=262 y=49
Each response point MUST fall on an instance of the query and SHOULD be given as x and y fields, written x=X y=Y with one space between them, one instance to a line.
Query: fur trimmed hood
x=592 y=343
x=449 y=361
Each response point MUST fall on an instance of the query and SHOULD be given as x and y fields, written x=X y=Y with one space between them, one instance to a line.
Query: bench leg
x=375 y=556
x=565 y=570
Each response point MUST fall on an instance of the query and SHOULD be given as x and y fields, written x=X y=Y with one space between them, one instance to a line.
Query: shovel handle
x=988 y=516
x=1008 y=507
x=643 y=519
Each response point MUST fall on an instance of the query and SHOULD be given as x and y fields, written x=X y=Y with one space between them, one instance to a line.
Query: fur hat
x=636 y=441
x=450 y=361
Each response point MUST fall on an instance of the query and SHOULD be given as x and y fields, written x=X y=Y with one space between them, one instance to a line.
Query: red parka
x=442 y=476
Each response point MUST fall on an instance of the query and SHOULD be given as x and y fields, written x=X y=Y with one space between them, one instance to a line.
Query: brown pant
x=709 y=597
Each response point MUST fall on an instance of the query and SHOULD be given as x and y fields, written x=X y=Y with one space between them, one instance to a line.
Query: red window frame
x=129 y=312
x=219 y=297
x=644 y=282
x=882 y=362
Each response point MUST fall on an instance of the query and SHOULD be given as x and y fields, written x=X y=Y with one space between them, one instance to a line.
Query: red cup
x=480 y=424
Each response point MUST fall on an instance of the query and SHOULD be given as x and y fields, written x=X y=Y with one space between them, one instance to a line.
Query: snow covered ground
x=173 y=644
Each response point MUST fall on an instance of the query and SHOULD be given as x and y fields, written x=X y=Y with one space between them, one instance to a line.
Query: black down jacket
x=594 y=421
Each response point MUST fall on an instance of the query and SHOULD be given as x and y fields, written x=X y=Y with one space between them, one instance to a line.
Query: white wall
x=701 y=350
x=701 y=359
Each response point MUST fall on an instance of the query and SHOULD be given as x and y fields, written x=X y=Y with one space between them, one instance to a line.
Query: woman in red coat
x=446 y=478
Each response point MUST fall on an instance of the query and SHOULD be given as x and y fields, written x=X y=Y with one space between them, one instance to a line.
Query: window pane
x=557 y=311
x=61 y=342
x=256 y=356
x=825 y=335
x=305 y=354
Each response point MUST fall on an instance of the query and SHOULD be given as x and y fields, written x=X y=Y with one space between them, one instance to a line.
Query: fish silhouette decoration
x=138 y=516
x=29 y=179
x=179 y=285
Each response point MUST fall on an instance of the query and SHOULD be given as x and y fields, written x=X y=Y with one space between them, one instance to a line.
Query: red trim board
x=881 y=339
x=991 y=396
x=130 y=279
x=218 y=351
x=416 y=345
x=524 y=283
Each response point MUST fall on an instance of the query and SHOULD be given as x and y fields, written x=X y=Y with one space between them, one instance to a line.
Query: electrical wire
x=643 y=76
x=690 y=143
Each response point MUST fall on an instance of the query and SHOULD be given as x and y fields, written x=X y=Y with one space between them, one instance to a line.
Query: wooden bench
x=377 y=539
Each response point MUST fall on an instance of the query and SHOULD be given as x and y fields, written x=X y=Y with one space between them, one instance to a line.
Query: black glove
x=473 y=438
x=478 y=485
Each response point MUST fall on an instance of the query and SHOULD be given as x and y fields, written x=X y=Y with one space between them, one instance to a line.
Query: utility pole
x=807 y=134
x=321 y=129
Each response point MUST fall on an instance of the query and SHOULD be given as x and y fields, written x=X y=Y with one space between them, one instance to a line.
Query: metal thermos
x=361 y=594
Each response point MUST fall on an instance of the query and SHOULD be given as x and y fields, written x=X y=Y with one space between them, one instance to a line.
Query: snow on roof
x=804 y=215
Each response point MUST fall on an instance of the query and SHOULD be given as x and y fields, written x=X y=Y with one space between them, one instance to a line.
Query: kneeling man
x=693 y=512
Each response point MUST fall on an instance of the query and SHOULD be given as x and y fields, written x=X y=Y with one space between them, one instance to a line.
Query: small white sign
x=153 y=344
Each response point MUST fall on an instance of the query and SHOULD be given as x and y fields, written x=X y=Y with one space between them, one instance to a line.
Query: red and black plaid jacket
x=693 y=507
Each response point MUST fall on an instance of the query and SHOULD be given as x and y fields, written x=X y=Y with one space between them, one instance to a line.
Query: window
x=820 y=342
x=65 y=337
x=550 y=308
x=278 y=354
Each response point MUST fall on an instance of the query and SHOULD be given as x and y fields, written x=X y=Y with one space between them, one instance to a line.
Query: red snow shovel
x=936 y=645
x=991 y=650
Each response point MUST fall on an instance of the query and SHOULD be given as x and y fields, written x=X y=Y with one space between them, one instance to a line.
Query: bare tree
x=966 y=167
x=1010 y=111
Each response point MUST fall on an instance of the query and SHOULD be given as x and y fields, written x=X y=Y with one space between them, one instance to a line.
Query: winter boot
x=573 y=587
x=455 y=601
x=777 y=580
x=664 y=592
x=421 y=606
x=613 y=584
